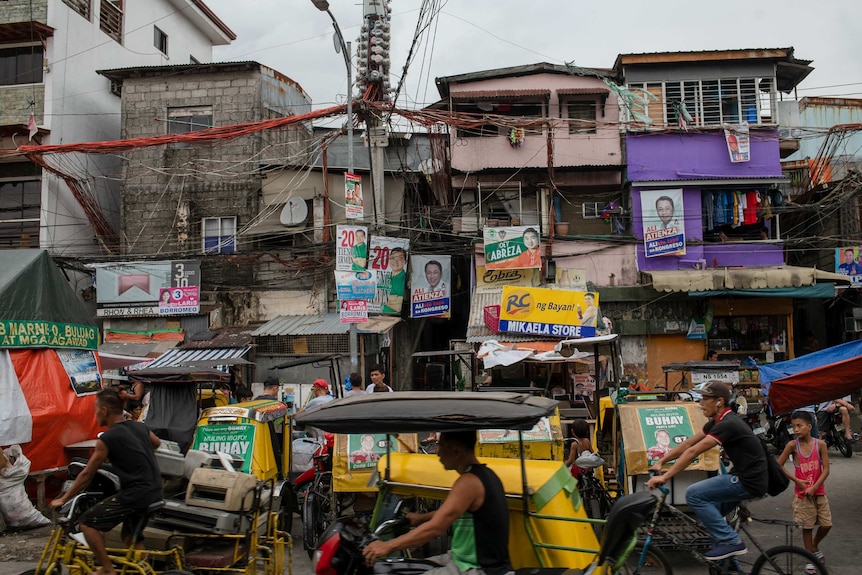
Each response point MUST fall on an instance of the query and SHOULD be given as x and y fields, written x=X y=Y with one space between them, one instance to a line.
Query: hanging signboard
x=429 y=286
x=354 y=311
x=356 y=285
x=354 y=204
x=664 y=229
x=738 y=145
x=516 y=247
x=388 y=259
x=233 y=439
x=351 y=248
x=547 y=312
x=179 y=300
x=847 y=264
x=82 y=370
x=134 y=289
x=488 y=281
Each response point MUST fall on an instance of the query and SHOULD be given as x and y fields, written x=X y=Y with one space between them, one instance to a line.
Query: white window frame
x=222 y=246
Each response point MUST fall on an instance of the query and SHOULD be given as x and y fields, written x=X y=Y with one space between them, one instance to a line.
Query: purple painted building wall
x=687 y=158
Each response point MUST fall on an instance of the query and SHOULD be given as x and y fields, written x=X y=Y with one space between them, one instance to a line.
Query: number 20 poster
x=351 y=249
x=388 y=257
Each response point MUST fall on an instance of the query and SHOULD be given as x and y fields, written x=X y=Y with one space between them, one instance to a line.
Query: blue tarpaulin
x=820 y=376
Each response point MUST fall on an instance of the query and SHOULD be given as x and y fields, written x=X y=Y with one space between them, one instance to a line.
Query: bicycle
x=596 y=498
x=785 y=559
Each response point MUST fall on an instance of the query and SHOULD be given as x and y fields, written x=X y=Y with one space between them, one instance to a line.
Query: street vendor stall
x=48 y=367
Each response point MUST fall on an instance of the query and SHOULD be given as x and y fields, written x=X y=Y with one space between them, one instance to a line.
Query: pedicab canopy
x=48 y=369
x=824 y=375
x=421 y=411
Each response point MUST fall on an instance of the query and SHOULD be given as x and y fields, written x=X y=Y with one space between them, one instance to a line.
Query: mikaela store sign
x=233 y=439
x=547 y=312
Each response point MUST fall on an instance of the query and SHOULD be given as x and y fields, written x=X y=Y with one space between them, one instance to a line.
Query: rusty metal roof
x=24 y=32
x=444 y=82
x=741 y=278
x=583 y=91
x=323 y=324
x=499 y=94
x=222 y=338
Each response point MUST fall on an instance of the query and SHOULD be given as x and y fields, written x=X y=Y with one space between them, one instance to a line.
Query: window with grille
x=709 y=102
x=582 y=116
x=185 y=120
x=82 y=7
x=20 y=205
x=219 y=235
x=111 y=19
x=160 y=40
x=22 y=65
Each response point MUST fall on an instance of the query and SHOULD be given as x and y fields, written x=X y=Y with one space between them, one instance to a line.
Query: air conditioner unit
x=852 y=324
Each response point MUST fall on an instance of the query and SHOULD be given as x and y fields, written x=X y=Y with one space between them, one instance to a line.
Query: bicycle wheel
x=656 y=562
x=313 y=509
x=786 y=560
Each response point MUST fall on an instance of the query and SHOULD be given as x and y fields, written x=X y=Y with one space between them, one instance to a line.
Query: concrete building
x=50 y=51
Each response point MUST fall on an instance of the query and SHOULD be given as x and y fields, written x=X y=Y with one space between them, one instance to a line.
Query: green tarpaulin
x=38 y=307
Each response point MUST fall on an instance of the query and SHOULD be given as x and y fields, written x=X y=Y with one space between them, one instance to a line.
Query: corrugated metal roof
x=227 y=337
x=742 y=278
x=499 y=94
x=185 y=357
x=583 y=91
x=478 y=332
x=324 y=324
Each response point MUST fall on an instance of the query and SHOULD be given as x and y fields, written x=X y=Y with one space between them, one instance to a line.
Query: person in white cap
x=713 y=498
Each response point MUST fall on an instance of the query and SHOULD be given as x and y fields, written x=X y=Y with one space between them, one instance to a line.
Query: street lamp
x=340 y=46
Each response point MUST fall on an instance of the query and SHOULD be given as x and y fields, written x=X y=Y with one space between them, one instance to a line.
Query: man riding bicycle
x=713 y=498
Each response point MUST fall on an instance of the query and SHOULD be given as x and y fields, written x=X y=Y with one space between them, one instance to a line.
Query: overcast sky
x=293 y=37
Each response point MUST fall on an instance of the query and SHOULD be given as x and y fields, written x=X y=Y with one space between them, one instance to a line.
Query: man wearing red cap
x=320 y=389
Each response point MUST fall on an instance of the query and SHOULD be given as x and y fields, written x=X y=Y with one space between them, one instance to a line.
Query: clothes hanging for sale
x=750 y=209
x=710 y=210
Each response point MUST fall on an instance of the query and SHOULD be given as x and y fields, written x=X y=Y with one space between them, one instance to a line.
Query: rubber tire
x=843 y=447
x=657 y=562
x=802 y=557
x=312 y=529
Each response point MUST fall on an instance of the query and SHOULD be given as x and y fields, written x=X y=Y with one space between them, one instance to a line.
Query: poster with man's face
x=848 y=262
x=351 y=248
x=387 y=257
x=664 y=225
x=429 y=286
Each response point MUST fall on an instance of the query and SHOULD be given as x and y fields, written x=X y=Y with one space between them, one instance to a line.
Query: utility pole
x=374 y=62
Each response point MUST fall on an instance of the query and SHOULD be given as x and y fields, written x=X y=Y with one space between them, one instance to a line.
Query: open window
x=507 y=204
x=189 y=119
x=111 y=19
x=488 y=111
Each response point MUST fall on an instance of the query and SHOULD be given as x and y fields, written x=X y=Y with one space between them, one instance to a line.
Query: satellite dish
x=294 y=213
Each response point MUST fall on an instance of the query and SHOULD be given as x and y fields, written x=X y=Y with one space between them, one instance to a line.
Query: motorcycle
x=779 y=431
x=832 y=432
x=752 y=418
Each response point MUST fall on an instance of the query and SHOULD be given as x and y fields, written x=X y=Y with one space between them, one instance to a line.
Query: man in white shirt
x=377 y=376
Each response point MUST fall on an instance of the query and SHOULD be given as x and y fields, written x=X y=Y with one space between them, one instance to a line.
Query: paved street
x=841 y=547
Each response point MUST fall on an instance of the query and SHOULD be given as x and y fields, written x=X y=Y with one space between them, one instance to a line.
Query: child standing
x=580 y=431
x=811 y=468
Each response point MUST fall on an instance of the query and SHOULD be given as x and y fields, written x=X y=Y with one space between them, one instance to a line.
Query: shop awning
x=323 y=324
x=754 y=278
x=184 y=358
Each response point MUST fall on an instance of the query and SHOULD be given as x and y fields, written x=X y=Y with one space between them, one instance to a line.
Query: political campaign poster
x=547 y=312
x=233 y=439
x=179 y=300
x=847 y=264
x=356 y=285
x=490 y=281
x=351 y=248
x=540 y=432
x=354 y=204
x=388 y=259
x=664 y=226
x=517 y=247
x=738 y=145
x=663 y=428
x=354 y=311
x=429 y=286
x=365 y=450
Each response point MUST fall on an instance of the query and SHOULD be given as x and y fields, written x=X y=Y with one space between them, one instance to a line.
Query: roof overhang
x=712 y=182
x=501 y=94
x=322 y=324
x=14 y=32
x=742 y=278
x=206 y=20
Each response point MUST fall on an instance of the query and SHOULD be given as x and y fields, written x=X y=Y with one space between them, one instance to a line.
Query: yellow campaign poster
x=547 y=312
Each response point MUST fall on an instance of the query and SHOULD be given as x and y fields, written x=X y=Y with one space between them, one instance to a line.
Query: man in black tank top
x=476 y=506
x=130 y=447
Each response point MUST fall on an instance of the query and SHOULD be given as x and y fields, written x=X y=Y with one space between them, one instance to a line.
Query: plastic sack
x=15 y=506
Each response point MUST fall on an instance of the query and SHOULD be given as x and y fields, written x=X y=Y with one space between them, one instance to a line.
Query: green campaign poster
x=233 y=439
x=365 y=450
x=663 y=428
